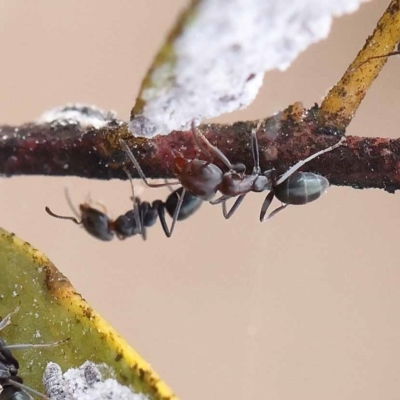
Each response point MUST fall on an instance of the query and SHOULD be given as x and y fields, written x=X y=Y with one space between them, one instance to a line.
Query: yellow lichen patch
x=51 y=310
x=342 y=101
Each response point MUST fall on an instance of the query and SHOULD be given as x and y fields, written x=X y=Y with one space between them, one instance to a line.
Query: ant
x=135 y=221
x=204 y=179
x=12 y=387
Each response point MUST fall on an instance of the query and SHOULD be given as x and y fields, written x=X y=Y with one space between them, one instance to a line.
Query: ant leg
x=254 y=148
x=136 y=204
x=171 y=190
x=7 y=319
x=235 y=206
x=73 y=219
x=33 y=346
x=217 y=152
x=219 y=200
x=139 y=169
x=279 y=209
x=267 y=202
x=161 y=214
x=141 y=212
x=295 y=167
x=27 y=390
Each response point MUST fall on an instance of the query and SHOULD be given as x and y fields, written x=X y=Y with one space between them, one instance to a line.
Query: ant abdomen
x=208 y=176
x=96 y=223
x=301 y=188
x=190 y=204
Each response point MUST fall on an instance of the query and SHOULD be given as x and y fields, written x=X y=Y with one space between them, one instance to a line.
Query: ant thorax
x=198 y=176
x=234 y=184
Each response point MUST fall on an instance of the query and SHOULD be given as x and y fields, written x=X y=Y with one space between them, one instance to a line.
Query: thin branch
x=343 y=100
x=285 y=138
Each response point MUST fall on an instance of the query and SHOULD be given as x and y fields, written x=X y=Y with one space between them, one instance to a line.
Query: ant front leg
x=139 y=169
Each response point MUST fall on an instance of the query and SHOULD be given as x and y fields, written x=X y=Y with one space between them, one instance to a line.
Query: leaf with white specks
x=51 y=310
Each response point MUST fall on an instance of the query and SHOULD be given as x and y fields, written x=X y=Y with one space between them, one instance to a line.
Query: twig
x=285 y=138
x=343 y=100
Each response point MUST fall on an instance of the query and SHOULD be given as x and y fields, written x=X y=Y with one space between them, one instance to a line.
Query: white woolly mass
x=85 y=383
x=79 y=114
x=221 y=57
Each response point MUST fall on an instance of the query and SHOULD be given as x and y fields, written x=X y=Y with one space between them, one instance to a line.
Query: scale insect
x=11 y=384
x=203 y=178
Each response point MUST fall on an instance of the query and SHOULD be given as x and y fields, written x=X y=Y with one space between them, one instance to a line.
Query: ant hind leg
x=298 y=165
x=279 y=209
x=267 y=202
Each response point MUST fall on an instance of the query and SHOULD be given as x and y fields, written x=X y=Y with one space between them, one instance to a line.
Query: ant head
x=96 y=223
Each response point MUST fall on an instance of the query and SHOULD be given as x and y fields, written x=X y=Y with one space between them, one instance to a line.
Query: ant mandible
x=204 y=179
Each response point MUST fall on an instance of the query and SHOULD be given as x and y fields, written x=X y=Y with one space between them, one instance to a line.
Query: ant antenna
x=7 y=319
x=73 y=219
x=139 y=169
x=217 y=152
x=295 y=167
x=70 y=203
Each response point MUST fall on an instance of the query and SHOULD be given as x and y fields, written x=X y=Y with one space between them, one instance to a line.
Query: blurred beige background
x=305 y=306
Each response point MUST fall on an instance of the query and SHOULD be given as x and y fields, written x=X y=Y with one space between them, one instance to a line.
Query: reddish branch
x=285 y=138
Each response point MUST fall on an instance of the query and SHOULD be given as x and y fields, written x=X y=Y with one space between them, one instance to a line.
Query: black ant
x=135 y=221
x=11 y=384
x=204 y=179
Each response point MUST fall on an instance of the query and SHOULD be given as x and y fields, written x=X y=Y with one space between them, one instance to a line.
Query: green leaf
x=51 y=310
